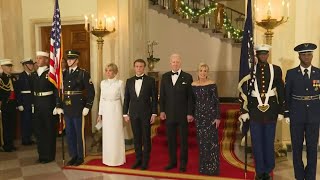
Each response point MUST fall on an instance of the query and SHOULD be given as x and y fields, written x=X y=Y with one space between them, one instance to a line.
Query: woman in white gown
x=110 y=113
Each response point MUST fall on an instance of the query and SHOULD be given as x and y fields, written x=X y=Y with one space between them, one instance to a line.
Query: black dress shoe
x=136 y=165
x=72 y=161
x=183 y=168
x=144 y=166
x=259 y=177
x=78 y=162
x=7 y=149
x=266 y=176
x=45 y=161
x=170 y=166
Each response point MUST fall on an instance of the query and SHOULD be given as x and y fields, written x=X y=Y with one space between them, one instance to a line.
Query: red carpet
x=230 y=165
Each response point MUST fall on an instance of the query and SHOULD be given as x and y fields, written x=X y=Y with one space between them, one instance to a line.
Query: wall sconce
x=100 y=28
x=269 y=14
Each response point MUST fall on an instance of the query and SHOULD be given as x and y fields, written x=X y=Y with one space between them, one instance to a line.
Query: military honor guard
x=265 y=106
x=45 y=101
x=302 y=111
x=75 y=105
x=25 y=95
x=8 y=104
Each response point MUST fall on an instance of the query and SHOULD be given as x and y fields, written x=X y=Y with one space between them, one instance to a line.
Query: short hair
x=203 y=65
x=175 y=56
x=113 y=67
x=140 y=61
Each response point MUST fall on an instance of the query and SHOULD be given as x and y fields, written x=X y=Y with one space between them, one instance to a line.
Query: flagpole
x=245 y=155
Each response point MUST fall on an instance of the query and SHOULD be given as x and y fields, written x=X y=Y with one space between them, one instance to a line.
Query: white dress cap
x=5 y=62
x=42 y=53
x=262 y=47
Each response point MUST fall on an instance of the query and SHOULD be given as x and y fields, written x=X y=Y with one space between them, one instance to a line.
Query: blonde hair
x=113 y=67
x=201 y=65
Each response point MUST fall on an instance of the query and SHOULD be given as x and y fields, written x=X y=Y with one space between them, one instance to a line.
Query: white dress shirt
x=175 y=77
x=72 y=69
x=40 y=70
x=138 y=84
x=309 y=70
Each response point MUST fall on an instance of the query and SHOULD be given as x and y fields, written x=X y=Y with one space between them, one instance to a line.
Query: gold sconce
x=100 y=28
x=269 y=14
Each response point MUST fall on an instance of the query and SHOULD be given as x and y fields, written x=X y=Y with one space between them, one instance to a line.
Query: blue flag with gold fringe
x=246 y=73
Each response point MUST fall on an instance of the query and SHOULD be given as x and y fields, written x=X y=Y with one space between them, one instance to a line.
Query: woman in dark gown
x=207 y=119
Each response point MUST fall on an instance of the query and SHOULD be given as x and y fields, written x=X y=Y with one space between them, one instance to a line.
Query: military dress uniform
x=25 y=96
x=75 y=81
x=265 y=104
x=302 y=107
x=45 y=123
x=8 y=99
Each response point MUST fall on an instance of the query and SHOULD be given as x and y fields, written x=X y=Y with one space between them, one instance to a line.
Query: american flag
x=246 y=72
x=55 y=73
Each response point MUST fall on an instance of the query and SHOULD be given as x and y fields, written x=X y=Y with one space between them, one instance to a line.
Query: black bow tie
x=174 y=73
x=140 y=77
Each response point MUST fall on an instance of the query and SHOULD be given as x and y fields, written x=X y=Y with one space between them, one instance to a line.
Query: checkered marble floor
x=22 y=165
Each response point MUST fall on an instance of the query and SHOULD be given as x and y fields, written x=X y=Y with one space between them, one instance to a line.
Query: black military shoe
x=78 y=162
x=144 y=166
x=183 y=168
x=170 y=166
x=136 y=165
x=72 y=161
x=266 y=176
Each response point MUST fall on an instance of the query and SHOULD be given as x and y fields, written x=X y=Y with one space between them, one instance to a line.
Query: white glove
x=244 y=117
x=287 y=120
x=20 y=108
x=59 y=111
x=280 y=117
x=85 y=111
x=54 y=112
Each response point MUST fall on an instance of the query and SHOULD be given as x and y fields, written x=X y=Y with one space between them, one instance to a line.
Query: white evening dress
x=110 y=107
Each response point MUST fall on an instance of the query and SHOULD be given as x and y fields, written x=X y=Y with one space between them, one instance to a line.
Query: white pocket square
x=184 y=83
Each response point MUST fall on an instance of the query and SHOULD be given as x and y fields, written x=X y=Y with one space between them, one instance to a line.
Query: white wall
x=221 y=55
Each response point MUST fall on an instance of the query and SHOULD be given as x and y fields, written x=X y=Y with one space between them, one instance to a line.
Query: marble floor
x=22 y=165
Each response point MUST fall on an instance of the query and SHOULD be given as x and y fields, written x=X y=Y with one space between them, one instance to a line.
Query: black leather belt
x=306 y=98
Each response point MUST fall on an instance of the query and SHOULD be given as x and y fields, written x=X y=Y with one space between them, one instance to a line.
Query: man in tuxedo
x=140 y=108
x=302 y=95
x=176 y=107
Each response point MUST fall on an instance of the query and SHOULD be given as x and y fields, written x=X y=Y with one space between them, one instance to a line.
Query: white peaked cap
x=25 y=60
x=262 y=47
x=42 y=53
x=5 y=62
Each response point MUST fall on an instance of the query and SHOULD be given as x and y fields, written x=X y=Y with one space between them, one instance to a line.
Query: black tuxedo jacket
x=176 y=100
x=146 y=104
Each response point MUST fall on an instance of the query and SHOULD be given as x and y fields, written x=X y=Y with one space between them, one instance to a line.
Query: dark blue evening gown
x=207 y=109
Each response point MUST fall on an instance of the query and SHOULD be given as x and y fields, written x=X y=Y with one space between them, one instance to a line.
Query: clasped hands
x=59 y=111
x=152 y=118
x=163 y=116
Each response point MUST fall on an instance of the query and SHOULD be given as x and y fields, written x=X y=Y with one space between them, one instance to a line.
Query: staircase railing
x=211 y=15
